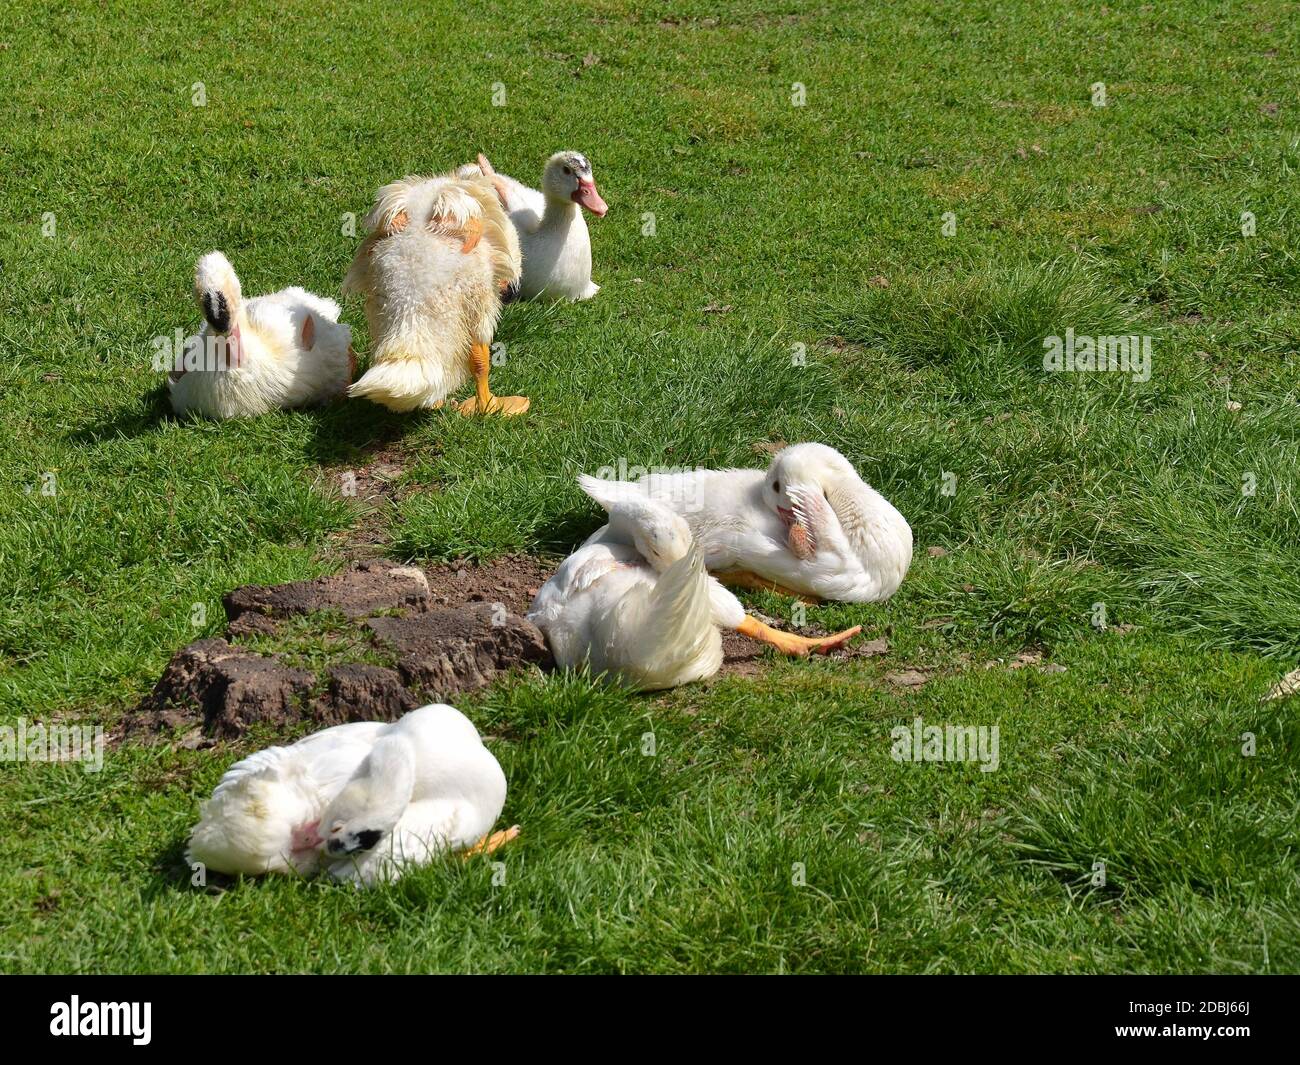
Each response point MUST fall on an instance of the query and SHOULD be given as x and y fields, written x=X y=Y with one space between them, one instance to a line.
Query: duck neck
x=559 y=215
x=380 y=789
x=392 y=778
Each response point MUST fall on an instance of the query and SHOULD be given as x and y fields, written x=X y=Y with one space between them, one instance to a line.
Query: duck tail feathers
x=677 y=624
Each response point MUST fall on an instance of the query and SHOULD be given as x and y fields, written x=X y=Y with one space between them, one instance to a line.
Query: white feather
x=247 y=824
x=635 y=601
x=451 y=800
x=862 y=544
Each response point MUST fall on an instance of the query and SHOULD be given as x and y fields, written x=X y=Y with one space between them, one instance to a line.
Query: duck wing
x=524 y=205
x=577 y=573
x=329 y=756
x=866 y=542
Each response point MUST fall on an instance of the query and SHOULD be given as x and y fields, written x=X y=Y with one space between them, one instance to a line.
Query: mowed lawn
x=771 y=272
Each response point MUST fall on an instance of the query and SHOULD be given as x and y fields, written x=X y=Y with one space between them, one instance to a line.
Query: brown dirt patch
x=391 y=638
x=218 y=688
x=511 y=581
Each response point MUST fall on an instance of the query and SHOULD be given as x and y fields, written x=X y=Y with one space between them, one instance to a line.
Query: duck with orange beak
x=552 y=230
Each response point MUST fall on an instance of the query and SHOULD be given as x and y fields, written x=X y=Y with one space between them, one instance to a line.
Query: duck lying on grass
x=361 y=801
x=552 y=231
x=807 y=526
x=635 y=602
x=286 y=349
x=439 y=254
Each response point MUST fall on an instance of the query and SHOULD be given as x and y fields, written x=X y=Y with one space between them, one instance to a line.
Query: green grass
x=1067 y=490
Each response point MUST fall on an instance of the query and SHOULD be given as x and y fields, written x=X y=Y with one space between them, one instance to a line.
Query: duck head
x=218 y=294
x=798 y=484
x=568 y=177
x=372 y=802
x=661 y=537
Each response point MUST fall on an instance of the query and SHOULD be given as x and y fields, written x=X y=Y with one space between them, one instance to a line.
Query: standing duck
x=438 y=256
x=552 y=232
x=807 y=526
x=282 y=350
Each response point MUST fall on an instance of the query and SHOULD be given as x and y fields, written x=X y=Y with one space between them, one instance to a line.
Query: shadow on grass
x=565 y=533
x=347 y=430
x=344 y=430
x=130 y=421
x=173 y=875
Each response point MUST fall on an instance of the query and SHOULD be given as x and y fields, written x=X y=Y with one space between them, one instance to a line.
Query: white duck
x=286 y=349
x=641 y=610
x=438 y=255
x=427 y=786
x=807 y=526
x=635 y=601
x=263 y=815
x=390 y=795
x=552 y=232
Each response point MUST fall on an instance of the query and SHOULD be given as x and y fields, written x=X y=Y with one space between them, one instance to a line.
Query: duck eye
x=776 y=487
x=568 y=170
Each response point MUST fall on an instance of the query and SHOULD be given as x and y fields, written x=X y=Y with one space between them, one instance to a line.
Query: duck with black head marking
x=277 y=351
x=361 y=801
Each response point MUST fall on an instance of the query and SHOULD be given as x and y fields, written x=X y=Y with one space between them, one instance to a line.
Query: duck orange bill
x=306 y=837
x=804 y=522
x=801 y=543
x=585 y=195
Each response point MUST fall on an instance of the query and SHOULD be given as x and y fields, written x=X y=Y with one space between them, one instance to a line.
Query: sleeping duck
x=638 y=607
x=552 y=233
x=263 y=815
x=807 y=526
x=426 y=786
x=360 y=801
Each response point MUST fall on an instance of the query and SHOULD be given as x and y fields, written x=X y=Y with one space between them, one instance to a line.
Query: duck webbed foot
x=790 y=644
x=743 y=578
x=491 y=842
x=506 y=406
x=483 y=401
